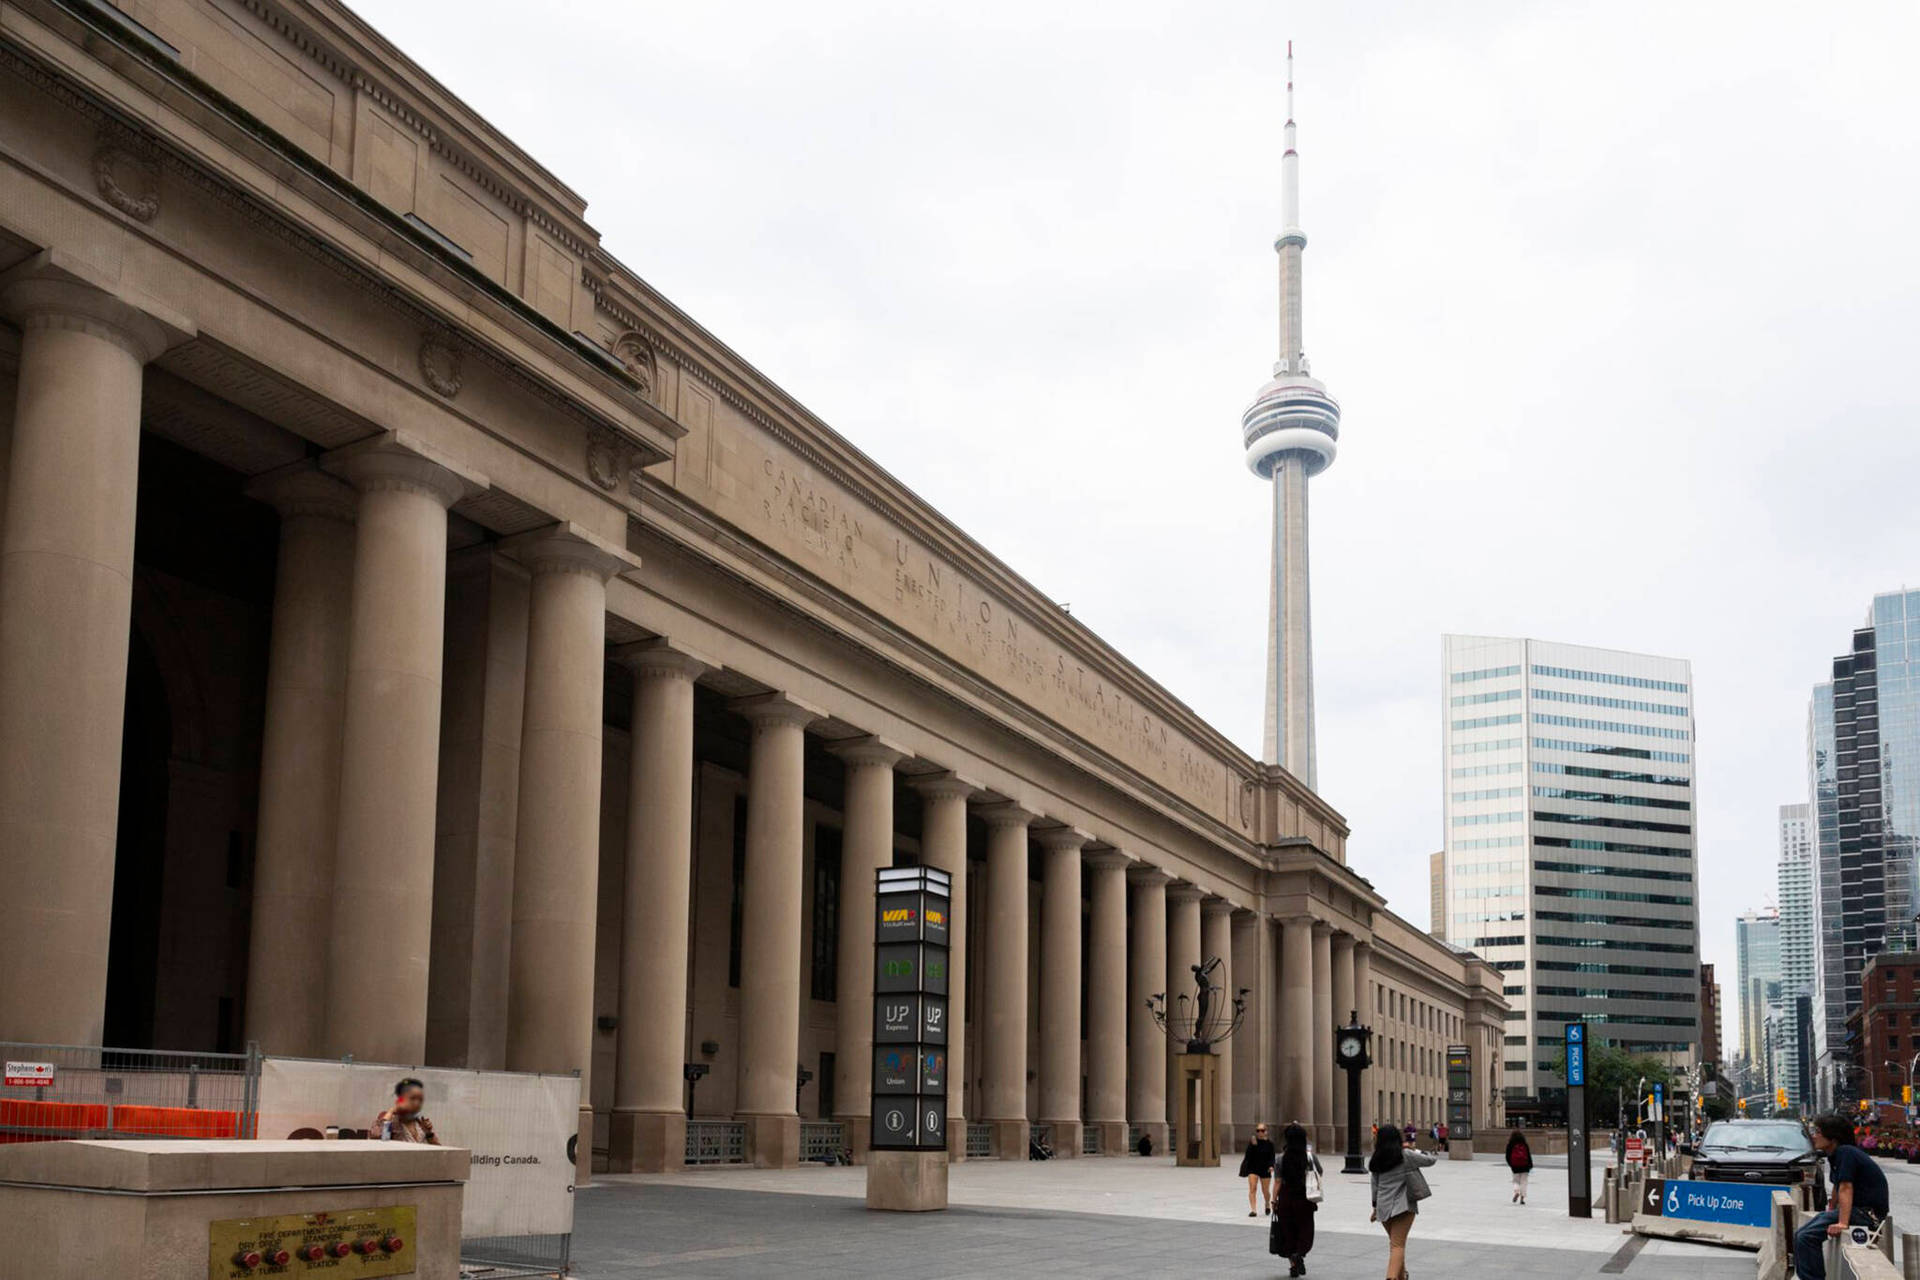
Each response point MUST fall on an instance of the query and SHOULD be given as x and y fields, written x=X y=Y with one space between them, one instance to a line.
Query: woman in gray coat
x=1393 y=1207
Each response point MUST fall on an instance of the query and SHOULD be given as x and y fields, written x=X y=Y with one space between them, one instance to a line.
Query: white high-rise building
x=1797 y=944
x=1291 y=432
x=1570 y=854
x=1756 y=942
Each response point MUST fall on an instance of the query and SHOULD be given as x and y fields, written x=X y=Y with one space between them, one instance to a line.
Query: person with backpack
x=1520 y=1160
x=1295 y=1201
x=1398 y=1188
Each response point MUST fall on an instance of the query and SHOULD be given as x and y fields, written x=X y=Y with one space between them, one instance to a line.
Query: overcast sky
x=1619 y=301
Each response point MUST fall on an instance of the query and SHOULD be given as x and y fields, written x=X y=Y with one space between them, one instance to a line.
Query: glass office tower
x=1570 y=844
x=1798 y=939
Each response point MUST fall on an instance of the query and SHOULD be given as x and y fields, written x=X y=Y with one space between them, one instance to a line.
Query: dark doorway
x=133 y=954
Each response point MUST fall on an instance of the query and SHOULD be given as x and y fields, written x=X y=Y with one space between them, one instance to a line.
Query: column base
x=773 y=1142
x=907 y=1181
x=956 y=1139
x=1009 y=1140
x=1160 y=1132
x=1066 y=1139
x=647 y=1142
x=583 y=1148
x=858 y=1135
x=1111 y=1135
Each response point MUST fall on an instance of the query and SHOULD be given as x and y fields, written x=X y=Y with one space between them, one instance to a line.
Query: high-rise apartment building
x=1798 y=938
x=1864 y=762
x=1829 y=948
x=1570 y=856
x=1756 y=944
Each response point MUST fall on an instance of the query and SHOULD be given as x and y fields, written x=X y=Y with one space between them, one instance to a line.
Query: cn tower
x=1291 y=431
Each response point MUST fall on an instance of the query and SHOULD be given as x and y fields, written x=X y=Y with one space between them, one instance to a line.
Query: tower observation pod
x=1291 y=432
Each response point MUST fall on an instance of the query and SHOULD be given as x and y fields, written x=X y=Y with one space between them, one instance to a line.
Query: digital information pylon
x=910 y=940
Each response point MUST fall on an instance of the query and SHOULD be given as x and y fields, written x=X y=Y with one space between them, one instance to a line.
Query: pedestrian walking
x=1520 y=1160
x=1411 y=1138
x=1398 y=1188
x=1256 y=1166
x=1295 y=1200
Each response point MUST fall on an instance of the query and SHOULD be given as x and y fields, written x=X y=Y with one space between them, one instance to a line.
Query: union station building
x=421 y=640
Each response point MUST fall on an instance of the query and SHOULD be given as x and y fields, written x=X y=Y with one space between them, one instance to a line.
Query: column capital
x=401 y=460
x=1110 y=860
x=1216 y=906
x=303 y=489
x=565 y=547
x=764 y=710
x=1362 y=946
x=1246 y=916
x=1184 y=891
x=869 y=750
x=1322 y=929
x=662 y=657
x=54 y=290
x=1005 y=814
x=946 y=785
x=1142 y=874
x=1062 y=839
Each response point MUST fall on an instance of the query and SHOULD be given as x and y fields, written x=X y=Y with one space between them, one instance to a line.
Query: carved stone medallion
x=636 y=355
x=126 y=181
x=440 y=364
x=610 y=459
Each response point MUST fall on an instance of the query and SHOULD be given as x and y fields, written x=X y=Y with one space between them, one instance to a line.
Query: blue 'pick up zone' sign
x=1732 y=1203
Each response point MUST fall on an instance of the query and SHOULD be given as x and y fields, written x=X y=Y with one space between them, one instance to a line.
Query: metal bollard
x=1910 y=1255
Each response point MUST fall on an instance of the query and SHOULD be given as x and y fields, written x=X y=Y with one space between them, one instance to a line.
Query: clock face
x=1350 y=1047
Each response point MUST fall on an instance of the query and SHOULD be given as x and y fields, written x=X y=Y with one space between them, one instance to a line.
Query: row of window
x=1474 y=699
x=1507 y=940
x=1610 y=775
x=1606 y=726
x=1490 y=842
x=1625 y=873
x=1491 y=744
x=1648 y=1020
x=1611 y=797
x=1490 y=868
x=1599 y=749
x=1623 y=970
x=1615 y=704
x=1481 y=722
x=1617 y=944
x=1612 y=895
x=1486 y=819
x=1624 y=824
x=1608 y=846
x=1621 y=993
x=1613 y=922
x=1490 y=891
x=1485 y=673
x=1489 y=793
x=1482 y=770
x=1607 y=677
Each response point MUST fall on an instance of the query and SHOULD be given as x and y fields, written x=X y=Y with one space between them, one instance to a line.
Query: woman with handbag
x=1256 y=1166
x=1295 y=1201
x=1398 y=1188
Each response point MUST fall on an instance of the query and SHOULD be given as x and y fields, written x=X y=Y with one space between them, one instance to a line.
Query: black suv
x=1760 y=1151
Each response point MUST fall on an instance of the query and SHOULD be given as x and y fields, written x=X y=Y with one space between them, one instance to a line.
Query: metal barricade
x=979 y=1141
x=1133 y=1138
x=822 y=1141
x=1040 y=1135
x=716 y=1142
x=77 y=1091
x=1090 y=1140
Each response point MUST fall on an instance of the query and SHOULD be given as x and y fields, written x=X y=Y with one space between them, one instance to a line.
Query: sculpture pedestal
x=907 y=1181
x=1196 y=1133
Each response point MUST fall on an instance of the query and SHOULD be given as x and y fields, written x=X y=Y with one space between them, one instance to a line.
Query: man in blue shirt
x=1857 y=1194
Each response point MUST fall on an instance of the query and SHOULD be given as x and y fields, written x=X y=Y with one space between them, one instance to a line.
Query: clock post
x=1351 y=1056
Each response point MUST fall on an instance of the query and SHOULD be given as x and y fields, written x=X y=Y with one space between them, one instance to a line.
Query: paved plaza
x=1109 y=1217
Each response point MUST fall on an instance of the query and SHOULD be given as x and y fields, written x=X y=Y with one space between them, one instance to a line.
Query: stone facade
x=421 y=640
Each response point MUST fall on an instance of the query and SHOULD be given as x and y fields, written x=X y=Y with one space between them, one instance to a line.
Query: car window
x=1784 y=1137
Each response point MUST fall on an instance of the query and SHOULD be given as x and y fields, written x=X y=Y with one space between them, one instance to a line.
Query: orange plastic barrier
x=30 y=1120
x=175 y=1122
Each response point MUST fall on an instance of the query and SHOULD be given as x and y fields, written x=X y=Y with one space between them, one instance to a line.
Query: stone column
x=1251 y=1041
x=866 y=848
x=1296 y=1022
x=1183 y=952
x=943 y=846
x=770 y=959
x=390 y=749
x=1216 y=939
x=649 y=1129
x=1343 y=1005
x=1146 y=976
x=300 y=757
x=1363 y=996
x=556 y=868
x=1106 y=980
x=66 y=605
x=1323 y=1072
x=1060 y=989
x=1004 y=1003
x=482 y=700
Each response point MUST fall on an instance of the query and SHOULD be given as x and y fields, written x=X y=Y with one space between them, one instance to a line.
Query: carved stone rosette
x=610 y=458
x=440 y=364
x=127 y=181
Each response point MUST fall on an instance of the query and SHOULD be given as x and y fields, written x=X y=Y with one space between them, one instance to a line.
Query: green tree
x=1614 y=1073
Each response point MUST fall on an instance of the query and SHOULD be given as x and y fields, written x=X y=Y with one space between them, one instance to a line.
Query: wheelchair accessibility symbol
x=1673 y=1201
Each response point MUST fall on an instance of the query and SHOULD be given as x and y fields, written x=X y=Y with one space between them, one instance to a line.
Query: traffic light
x=1906 y=1094
x=1865 y=1105
x=1780 y=1100
x=1742 y=1104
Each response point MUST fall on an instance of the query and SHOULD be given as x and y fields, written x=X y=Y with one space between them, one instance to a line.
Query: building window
x=826 y=913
